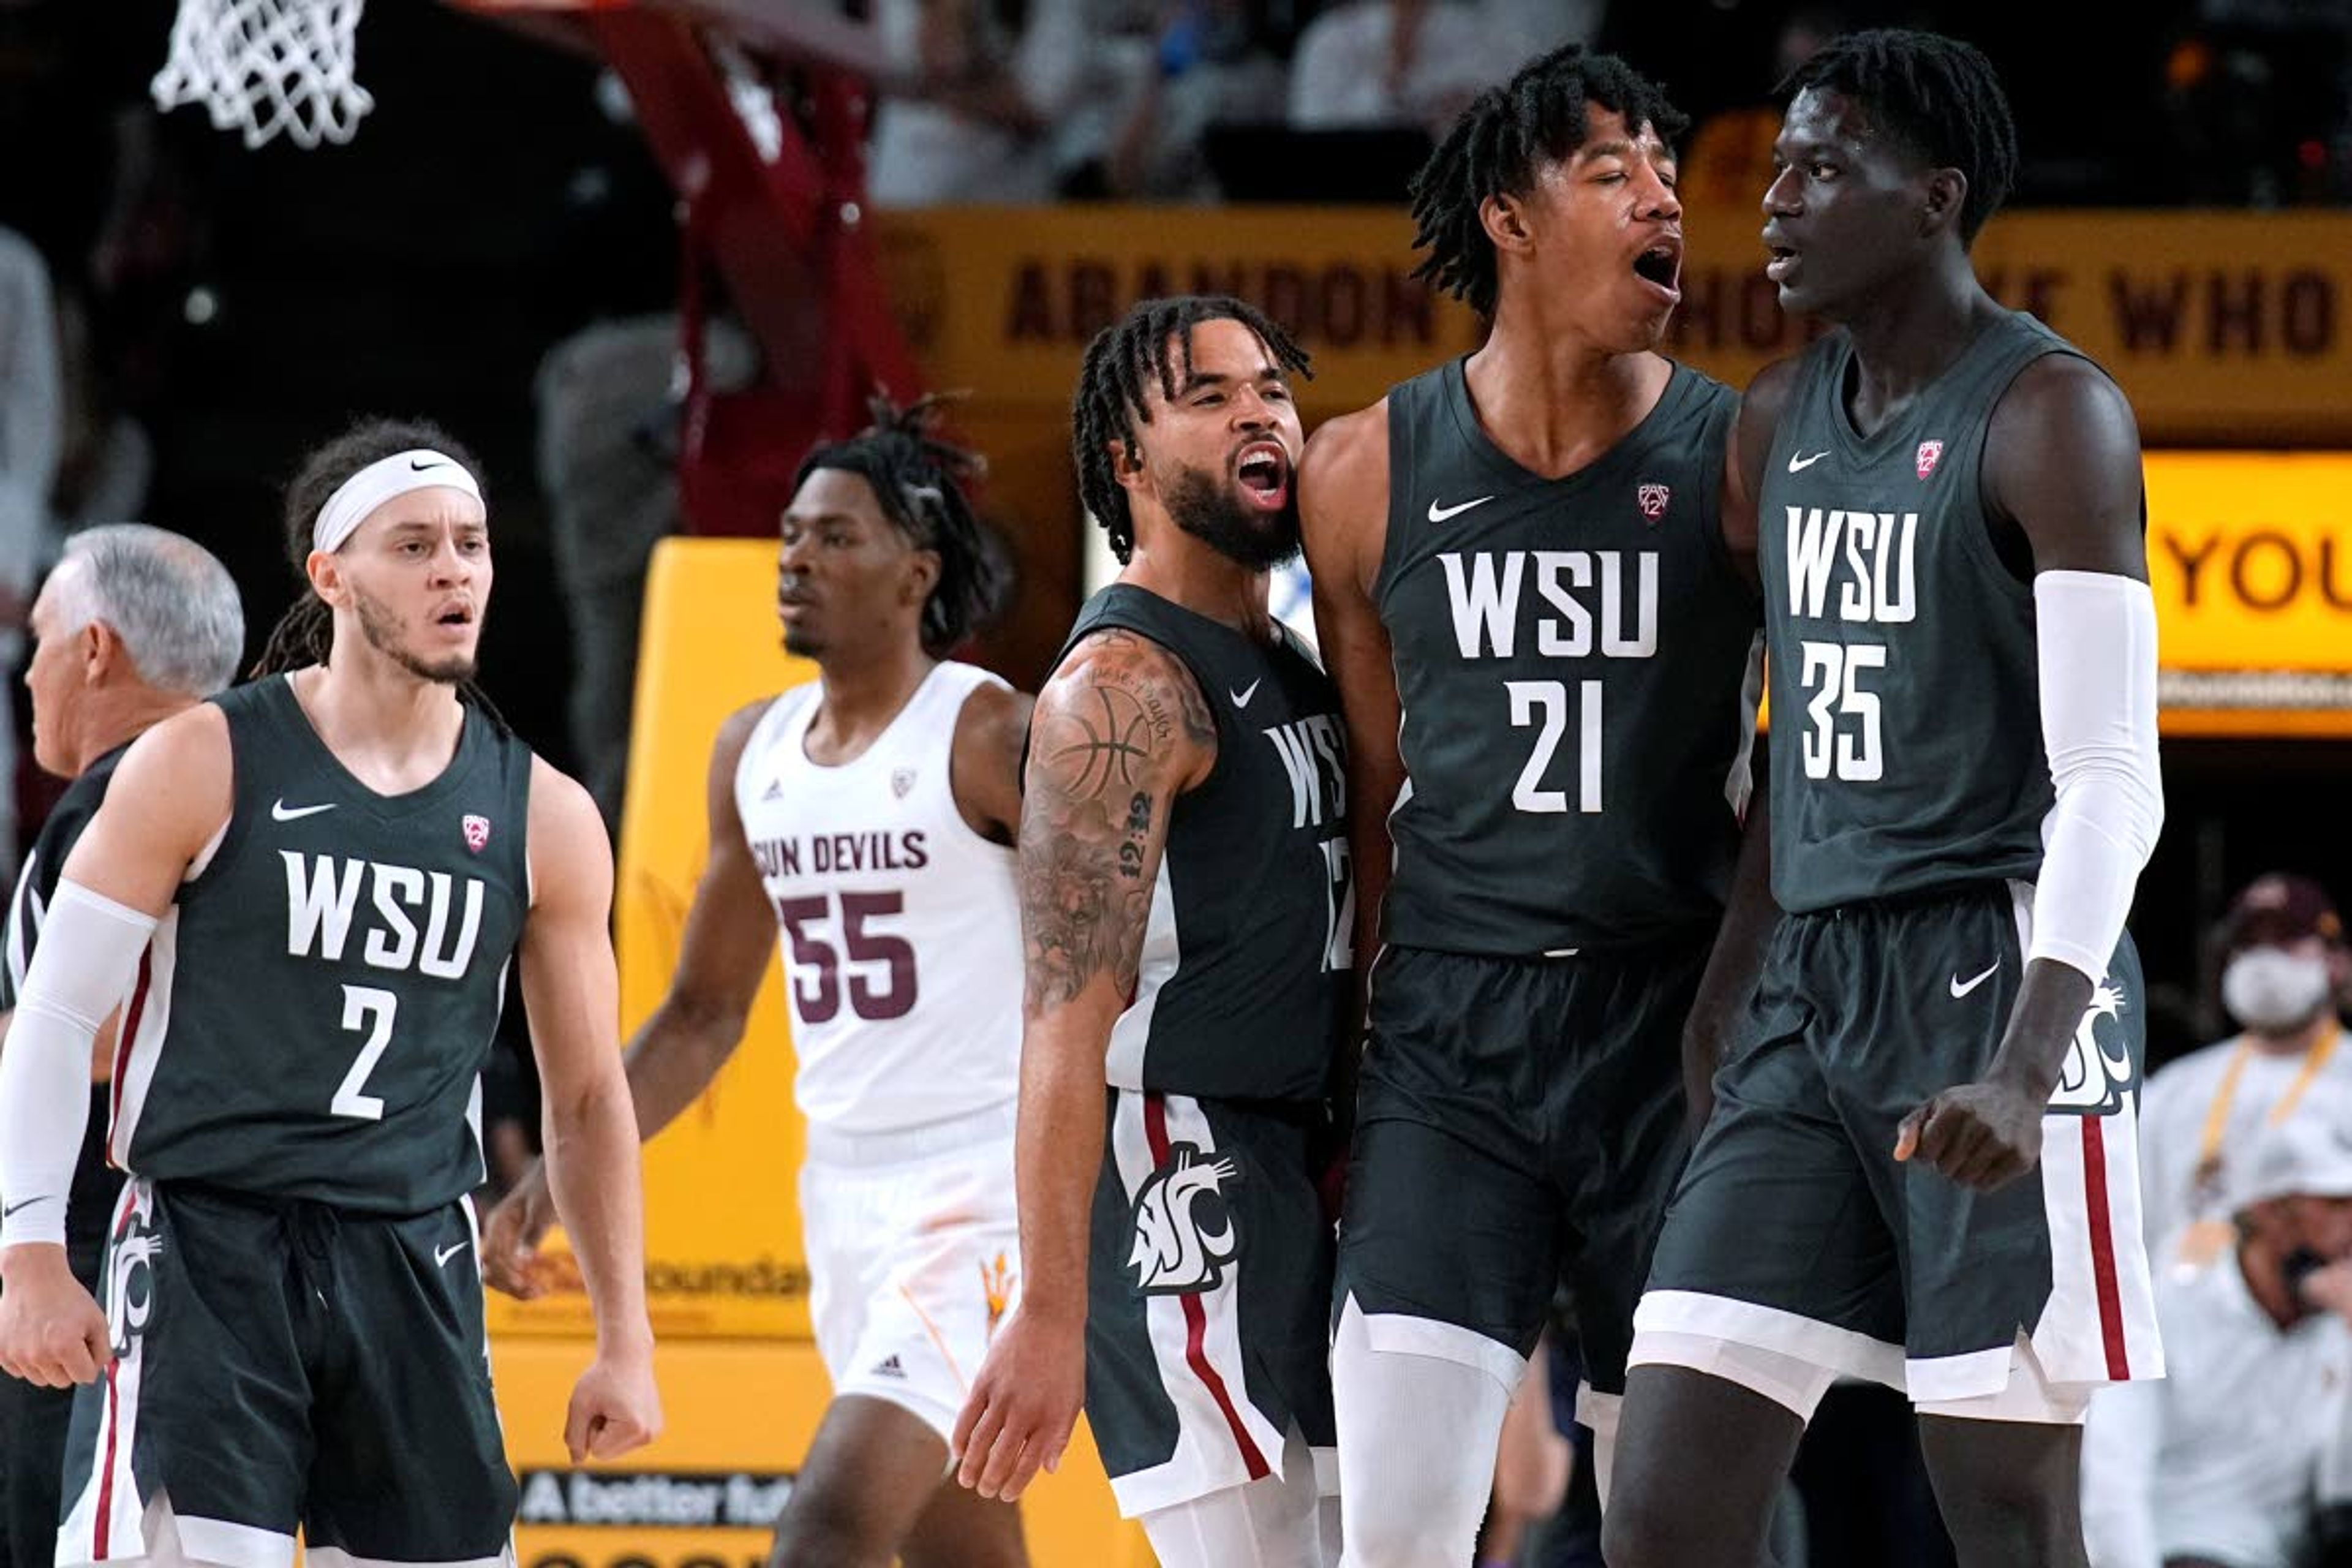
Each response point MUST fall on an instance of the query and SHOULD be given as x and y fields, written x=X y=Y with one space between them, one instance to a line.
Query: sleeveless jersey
x=1245 y=952
x=901 y=925
x=1574 y=657
x=314 y=1013
x=1906 y=751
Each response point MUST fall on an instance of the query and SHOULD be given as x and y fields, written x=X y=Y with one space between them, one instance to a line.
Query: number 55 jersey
x=901 y=928
x=901 y=925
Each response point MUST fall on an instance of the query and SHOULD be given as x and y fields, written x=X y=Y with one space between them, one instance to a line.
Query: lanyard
x=2217 y=1115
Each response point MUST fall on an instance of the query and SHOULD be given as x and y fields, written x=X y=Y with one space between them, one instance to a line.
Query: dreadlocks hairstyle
x=919 y=480
x=305 y=634
x=1498 y=145
x=1154 y=344
x=1936 y=95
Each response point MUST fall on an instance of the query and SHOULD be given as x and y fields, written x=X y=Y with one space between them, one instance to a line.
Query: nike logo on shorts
x=441 y=1254
x=1440 y=513
x=1962 y=987
x=11 y=1210
x=281 y=812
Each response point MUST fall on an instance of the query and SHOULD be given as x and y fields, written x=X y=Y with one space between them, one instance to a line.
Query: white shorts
x=913 y=1257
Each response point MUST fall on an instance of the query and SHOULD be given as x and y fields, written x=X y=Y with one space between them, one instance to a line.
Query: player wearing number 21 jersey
x=867 y=818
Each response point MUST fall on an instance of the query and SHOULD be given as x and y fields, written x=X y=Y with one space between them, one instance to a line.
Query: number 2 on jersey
x=364 y=1005
x=817 y=960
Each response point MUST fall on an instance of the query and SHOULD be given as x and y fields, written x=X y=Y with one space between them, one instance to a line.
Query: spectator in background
x=1371 y=63
x=2284 y=957
x=30 y=430
x=977 y=121
x=1729 y=157
x=2218 y=1464
x=1207 y=65
x=1526 y=28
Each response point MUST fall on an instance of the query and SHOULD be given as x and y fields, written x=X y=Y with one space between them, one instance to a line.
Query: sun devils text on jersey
x=901 y=924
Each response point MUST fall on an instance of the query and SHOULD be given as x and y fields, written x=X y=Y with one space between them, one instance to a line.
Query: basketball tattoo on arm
x=1119 y=734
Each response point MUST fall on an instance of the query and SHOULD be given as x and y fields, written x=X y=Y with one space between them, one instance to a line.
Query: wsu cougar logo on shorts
x=1176 y=1253
x=2099 y=1071
x=131 y=1282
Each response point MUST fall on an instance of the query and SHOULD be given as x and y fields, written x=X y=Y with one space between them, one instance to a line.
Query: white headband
x=419 y=469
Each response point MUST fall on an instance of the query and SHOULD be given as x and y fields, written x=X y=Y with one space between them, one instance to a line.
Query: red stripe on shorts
x=128 y=1032
x=2102 y=1249
x=106 y=1476
x=1196 y=1317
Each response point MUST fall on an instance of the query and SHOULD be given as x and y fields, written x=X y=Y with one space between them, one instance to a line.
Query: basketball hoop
x=267 y=66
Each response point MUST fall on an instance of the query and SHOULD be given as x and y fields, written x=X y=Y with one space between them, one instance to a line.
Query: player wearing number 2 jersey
x=304 y=896
x=1544 y=641
x=869 y=815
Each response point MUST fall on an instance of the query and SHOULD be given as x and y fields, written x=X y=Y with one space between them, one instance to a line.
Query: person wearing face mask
x=2225 y=1462
x=2283 y=961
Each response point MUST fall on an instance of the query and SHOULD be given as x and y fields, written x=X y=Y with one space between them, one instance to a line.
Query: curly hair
x=1153 y=342
x=305 y=634
x=1937 y=96
x=920 y=481
x=1502 y=140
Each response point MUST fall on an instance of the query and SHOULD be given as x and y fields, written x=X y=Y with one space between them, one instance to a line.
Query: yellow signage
x=723 y=1252
x=2250 y=554
x=738 y=1419
x=2221 y=326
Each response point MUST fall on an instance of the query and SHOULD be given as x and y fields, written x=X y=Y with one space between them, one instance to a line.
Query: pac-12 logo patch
x=1184 y=1233
x=1930 y=454
x=477 y=832
x=901 y=780
x=2098 y=1070
x=1652 y=499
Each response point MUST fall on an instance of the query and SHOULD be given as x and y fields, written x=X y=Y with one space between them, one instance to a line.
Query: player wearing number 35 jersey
x=303 y=897
x=868 y=815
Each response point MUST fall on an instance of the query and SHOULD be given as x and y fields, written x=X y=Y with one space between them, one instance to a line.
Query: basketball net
x=267 y=66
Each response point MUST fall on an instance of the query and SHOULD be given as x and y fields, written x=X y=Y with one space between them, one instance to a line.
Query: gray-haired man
x=134 y=624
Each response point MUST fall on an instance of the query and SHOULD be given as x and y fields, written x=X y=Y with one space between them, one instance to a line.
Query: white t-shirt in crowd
x=1339 y=75
x=2220 y=1458
x=2172 y=1116
x=925 y=154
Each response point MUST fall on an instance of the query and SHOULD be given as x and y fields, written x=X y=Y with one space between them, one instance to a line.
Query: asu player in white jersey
x=869 y=816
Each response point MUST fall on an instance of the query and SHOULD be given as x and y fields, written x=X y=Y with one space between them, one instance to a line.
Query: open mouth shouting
x=1660 y=266
x=1262 y=468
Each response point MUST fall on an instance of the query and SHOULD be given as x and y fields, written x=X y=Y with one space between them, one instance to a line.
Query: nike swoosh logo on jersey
x=281 y=812
x=441 y=1254
x=1799 y=465
x=1440 y=513
x=1962 y=987
x=1242 y=697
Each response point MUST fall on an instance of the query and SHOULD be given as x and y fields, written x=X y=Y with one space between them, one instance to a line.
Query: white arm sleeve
x=2098 y=638
x=87 y=956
